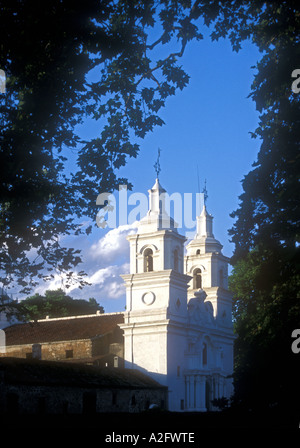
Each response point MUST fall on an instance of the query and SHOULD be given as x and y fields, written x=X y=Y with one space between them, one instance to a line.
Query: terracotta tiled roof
x=51 y=330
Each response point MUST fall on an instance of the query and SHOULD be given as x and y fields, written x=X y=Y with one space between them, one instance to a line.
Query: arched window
x=198 y=252
x=197 y=280
x=148 y=260
x=204 y=354
x=176 y=260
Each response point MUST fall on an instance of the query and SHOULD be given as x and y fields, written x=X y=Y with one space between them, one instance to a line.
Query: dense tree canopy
x=55 y=303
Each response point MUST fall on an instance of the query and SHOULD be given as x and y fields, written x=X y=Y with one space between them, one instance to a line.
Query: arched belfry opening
x=148 y=260
x=197 y=279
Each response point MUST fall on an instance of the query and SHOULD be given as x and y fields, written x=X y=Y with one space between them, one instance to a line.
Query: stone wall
x=70 y=349
x=51 y=351
x=34 y=399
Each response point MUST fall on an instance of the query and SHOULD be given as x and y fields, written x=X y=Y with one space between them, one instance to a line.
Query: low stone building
x=92 y=339
x=30 y=386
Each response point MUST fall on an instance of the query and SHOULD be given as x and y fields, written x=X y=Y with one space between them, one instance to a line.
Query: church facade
x=177 y=325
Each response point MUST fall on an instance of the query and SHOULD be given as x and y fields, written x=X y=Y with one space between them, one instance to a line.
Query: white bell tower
x=208 y=269
x=155 y=322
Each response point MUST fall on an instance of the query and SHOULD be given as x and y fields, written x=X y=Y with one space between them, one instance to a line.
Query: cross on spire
x=157 y=164
x=204 y=191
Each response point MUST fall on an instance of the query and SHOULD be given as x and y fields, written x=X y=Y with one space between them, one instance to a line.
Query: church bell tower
x=208 y=269
x=156 y=299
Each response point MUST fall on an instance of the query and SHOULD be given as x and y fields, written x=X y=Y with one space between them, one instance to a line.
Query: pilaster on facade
x=195 y=393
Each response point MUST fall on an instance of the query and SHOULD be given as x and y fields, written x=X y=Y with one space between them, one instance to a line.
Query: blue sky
x=206 y=132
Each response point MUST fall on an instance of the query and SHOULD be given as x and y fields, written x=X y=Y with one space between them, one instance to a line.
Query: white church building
x=177 y=325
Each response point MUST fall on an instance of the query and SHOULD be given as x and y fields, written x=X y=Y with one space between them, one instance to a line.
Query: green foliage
x=47 y=53
x=266 y=309
x=55 y=303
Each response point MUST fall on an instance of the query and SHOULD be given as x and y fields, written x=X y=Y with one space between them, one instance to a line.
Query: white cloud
x=106 y=283
x=103 y=260
x=113 y=245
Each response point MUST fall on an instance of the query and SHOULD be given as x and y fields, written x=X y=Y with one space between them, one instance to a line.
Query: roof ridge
x=49 y=319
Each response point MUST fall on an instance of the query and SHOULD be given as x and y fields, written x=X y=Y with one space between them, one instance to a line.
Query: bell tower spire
x=205 y=224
